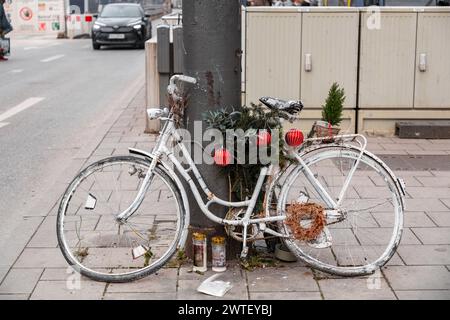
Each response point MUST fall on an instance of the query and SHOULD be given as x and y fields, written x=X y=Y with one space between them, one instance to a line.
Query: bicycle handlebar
x=182 y=78
x=172 y=88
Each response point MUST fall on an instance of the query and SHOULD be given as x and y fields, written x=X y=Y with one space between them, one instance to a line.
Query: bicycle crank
x=236 y=232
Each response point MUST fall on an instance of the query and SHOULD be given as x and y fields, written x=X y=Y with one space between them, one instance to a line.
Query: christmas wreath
x=296 y=212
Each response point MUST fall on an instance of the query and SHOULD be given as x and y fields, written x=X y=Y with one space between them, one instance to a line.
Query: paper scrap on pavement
x=216 y=288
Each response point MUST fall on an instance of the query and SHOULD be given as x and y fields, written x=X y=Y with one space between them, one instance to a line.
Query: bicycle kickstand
x=244 y=251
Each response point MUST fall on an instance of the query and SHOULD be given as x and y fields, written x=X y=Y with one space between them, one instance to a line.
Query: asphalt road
x=51 y=92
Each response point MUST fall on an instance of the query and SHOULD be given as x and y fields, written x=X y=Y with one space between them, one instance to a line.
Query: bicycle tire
x=367 y=159
x=134 y=275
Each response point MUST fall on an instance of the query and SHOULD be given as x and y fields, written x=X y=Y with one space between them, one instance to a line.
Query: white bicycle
x=124 y=217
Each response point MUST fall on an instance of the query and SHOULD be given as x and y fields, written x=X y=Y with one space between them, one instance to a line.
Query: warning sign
x=26 y=13
x=30 y=16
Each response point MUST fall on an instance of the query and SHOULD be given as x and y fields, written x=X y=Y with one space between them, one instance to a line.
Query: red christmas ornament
x=222 y=157
x=264 y=138
x=294 y=137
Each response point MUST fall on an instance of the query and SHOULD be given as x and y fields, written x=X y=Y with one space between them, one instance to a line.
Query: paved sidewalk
x=419 y=270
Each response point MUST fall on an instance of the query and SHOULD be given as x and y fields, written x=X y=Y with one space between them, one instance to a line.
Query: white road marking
x=59 y=56
x=53 y=44
x=20 y=107
x=3 y=124
x=16 y=71
x=30 y=48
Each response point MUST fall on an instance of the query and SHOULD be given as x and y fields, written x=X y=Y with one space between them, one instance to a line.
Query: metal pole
x=212 y=43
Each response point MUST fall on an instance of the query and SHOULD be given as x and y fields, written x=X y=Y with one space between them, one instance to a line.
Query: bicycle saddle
x=291 y=107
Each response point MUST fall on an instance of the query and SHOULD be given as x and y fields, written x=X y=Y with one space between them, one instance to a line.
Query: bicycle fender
x=171 y=173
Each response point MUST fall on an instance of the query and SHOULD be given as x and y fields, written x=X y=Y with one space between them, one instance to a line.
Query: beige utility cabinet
x=432 y=87
x=329 y=54
x=272 y=55
x=387 y=60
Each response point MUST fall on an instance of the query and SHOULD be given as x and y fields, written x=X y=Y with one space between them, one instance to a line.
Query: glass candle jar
x=199 y=245
x=218 y=246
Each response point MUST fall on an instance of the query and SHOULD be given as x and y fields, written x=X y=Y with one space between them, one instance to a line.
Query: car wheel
x=96 y=46
x=140 y=44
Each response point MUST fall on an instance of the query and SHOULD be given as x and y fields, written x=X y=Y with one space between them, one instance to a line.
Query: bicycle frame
x=161 y=150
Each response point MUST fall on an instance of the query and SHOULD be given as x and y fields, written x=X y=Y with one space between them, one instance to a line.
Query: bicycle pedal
x=324 y=240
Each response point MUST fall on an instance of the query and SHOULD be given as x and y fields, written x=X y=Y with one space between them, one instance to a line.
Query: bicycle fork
x=123 y=216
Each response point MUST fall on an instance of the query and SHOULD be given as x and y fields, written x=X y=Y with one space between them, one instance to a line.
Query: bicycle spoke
x=357 y=239
x=103 y=243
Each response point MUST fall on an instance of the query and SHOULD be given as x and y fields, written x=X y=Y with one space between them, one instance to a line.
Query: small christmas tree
x=332 y=110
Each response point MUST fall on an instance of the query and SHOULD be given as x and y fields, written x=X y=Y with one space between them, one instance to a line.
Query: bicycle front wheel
x=367 y=232
x=103 y=248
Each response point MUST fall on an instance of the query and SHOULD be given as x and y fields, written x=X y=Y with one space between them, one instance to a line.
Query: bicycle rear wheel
x=100 y=247
x=368 y=233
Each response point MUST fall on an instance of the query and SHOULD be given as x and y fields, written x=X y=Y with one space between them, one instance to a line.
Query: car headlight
x=98 y=25
x=137 y=26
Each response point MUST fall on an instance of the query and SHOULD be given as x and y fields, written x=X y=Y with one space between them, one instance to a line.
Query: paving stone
x=391 y=152
x=14 y=296
x=431 y=152
x=410 y=219
x=45 y=236
x=428 y=192
x=3 y=272
x=233 y=271
x=410 y=180
x=425 y=254
x=62 y=274
x=112 y=137
x=45 y=205
x=439 y=141
x=381 y=236
x=356 y=289
x=373 y=192
x=103 y=151
x=67 y=290
x=146 y=146
x=187 y=290
x=415 y=173
x=435 y=146
x=359 y=255
x=418 y=277
x=433 y=235
x=407 y=147
x=283 y=295
x=144 y=138
x=442 y=219
x=281 y=279
x=141 y=296
x=423 y=294
x=41 y=258
x=20 y=281
x=18 y=239
x=381 y=140
x=165 y=280
x=357 y=181
x=425 y=205
x=441 y=173
x=344 y=237
x=434 y=181
x=447 y=203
